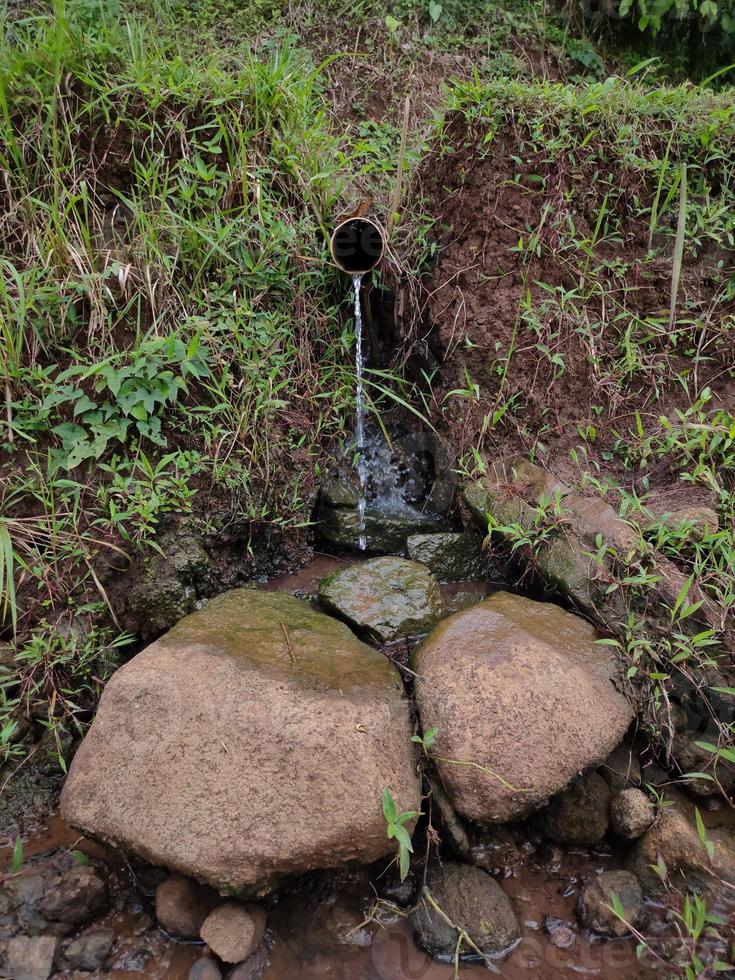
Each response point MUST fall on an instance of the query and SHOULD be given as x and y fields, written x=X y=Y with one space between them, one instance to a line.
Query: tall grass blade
x=678 y=245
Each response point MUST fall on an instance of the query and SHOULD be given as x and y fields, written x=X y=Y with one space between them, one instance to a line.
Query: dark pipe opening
x=357 y=245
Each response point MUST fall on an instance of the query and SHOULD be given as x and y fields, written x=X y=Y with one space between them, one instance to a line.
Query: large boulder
x=251 y=742
x=523 y=698
x=384 y=598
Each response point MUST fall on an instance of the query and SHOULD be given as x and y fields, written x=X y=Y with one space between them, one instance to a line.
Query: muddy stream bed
x=321 y=927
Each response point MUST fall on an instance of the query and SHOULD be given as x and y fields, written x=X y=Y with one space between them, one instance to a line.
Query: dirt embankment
x=547 y=309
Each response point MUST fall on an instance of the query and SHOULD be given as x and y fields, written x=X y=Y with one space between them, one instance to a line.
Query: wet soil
x=553 y=368
x=320 y=929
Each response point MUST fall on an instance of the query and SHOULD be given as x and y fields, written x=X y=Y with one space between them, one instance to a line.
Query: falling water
x=361 y=462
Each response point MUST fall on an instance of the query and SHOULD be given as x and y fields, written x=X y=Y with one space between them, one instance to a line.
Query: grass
x=172 y=328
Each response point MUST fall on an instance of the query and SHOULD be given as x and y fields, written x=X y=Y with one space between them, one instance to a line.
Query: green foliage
x=16 y=862
x=396 y=830
x=56 y=676
x=426 y=741
x=652 y=15
x=126 y=395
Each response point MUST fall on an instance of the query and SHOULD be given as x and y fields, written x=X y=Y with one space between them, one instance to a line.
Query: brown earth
x=485 y=201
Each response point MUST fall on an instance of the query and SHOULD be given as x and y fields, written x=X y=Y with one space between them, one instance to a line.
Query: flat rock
x=252 y=742
x=29 y=957
x=451 y=556
x=473 y=902
x=233 y=931
x=90 y=950
x=386 y=532
x=523 y=699
x=384 y=598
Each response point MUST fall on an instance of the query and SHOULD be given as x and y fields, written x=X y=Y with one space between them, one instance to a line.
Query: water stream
x=360 y=463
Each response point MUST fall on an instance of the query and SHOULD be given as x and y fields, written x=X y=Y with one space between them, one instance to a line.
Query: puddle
x=317 y=930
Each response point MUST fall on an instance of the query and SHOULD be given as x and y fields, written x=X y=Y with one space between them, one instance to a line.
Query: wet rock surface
x=386 y=531
x=229 y=711
x=384 y=598
x=674 y=840
x=205 y=968
x=596 y=907
x=622 y=769
x=74 y=895
x=474 y=903
x=182 y=905
x=31 y=791
x=52 y=897
x=452 y=556
x=523 y=698
x=631 y=813
x=88 y=951
x=169 y=589
x=28 y=957
x=579 y=815
x=233 y=931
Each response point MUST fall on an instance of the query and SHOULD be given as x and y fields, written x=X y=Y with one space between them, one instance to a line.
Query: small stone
x=384 y=598
x=579 y=815
x=631 y=813
x=232 y=931
x=475 y=903
x=182 y=905
x=595 y=908
x=560 y=933
x=621 y=769
x=205 y=968
x=88 y=952
x=75 y=896
x=30 y=957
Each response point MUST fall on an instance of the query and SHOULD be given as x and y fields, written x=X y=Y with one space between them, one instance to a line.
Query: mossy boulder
x=251 y=742
x=384 y=598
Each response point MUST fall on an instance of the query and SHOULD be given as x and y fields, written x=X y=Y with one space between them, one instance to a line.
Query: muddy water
x=321 y=932
x=322 y=927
